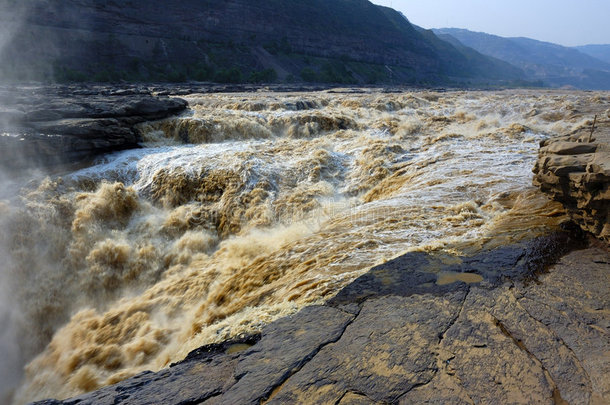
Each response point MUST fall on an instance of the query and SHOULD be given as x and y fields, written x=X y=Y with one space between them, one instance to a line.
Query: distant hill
x=601 y=52
x=481 y=64
x=333 y=41
x=554 y=64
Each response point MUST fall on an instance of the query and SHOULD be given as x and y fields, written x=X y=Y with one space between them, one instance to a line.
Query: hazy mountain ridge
x=600 y=51
x=485 y=65
x=554 y=64
x=342 y=41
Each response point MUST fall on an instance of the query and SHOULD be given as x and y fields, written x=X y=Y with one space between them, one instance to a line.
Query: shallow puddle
x=450 y=277
x=237 y=347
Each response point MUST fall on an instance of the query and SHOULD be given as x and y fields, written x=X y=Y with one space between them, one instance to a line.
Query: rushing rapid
x=251 y=206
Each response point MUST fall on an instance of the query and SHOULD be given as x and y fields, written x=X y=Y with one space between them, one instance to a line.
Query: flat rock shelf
x=396 y=336
x=46 y=126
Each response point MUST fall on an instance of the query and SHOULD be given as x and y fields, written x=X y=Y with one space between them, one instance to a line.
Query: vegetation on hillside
x=237 y=41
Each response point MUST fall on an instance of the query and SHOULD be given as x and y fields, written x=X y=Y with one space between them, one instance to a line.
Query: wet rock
x=573 y=303
x=506 y=341
x=385 y=352
x=285 y=347
x=50 y=126
x=575 y=170
x=351 y=398
x=418 y=272
x=191 y=382
x=569 y=148
x=442 y=389
x=218 y=375
x=490 y=363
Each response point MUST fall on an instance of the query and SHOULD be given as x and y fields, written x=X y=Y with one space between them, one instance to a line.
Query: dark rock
x=384 y=353
x=501 y=342
x=286 y=346
x=417 y=272
x=352 y=398
x=572 y=303
x=214 y=373
x=101 y=128
x=538 y=343
x=206 y=352
x=49 y=126
x=187 y=383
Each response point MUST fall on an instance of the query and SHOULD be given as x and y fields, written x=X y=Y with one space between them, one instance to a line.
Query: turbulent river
x=249 y=207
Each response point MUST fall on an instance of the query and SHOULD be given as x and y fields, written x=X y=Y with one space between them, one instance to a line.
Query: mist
x=10 y=352
x=14 y=329
x=11 y=366
x=12 y=18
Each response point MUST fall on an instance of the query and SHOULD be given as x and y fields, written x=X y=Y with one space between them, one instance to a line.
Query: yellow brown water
x=237 y=347
x=445 y=278
x=254 y=205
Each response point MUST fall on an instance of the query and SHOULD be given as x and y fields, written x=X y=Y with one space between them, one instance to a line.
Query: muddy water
x=253 y=205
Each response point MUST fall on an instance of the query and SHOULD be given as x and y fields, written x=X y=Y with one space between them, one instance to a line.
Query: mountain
x=340 y=41
x=483 y=65
x=601 y=52
x=554 y=64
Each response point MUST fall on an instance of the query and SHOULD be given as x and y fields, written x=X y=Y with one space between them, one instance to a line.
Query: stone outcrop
x=49 y=126
x=395 y=336
x=575 y=170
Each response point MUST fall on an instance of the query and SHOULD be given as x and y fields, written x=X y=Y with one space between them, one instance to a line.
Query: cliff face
x=51 y=126
x=81 y=38
x=575 y=171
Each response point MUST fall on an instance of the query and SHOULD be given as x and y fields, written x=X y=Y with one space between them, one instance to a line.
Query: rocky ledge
x=575 y=170
x=398 y=335
x=46 y=126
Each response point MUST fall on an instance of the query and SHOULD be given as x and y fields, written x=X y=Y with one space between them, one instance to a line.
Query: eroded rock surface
x=575 y=170
x=46 y=126
x=396 y=336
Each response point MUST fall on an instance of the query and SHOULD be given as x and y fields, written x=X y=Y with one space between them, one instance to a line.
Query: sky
x=564 y=22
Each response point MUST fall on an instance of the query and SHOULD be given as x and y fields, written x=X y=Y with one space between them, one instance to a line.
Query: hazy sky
x=565 y=22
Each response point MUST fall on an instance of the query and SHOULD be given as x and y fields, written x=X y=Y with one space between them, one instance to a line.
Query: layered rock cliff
x=575 y=170
x=49 y=126
x=346 y=41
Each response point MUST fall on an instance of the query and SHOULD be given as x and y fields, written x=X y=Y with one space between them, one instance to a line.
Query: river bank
x=396 y=336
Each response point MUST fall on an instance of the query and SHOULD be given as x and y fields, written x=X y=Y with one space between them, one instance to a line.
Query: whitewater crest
x=251 y=206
